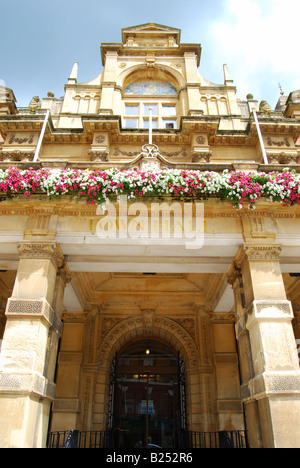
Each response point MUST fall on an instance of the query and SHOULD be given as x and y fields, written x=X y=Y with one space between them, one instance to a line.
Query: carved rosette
x=50 y=250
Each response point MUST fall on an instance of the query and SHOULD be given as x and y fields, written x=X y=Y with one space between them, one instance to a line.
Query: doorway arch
x=147 y=395
x=148 y=325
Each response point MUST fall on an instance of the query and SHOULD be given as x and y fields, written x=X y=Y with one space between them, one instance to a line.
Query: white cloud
x=259 y=40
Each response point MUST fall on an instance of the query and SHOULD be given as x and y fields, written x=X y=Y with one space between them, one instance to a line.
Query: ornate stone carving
x=99 y=155
x=64 y=273
x=35 y=103
x=282 y=142
x=99 y=138
x=271 y=309
x=28 y=139
x=265 y=107
x=283 y=158
x=154 y=325
x=42 y=250
x=257 y=252
x=150 y=154
x=37 y=308
x=147 y=317
x=201 y=157
x=17 y=155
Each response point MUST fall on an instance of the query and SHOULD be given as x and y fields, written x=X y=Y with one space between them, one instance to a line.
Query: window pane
x=146 y=123
x=131 y=123
x=168 y=110
x=147 y=107
x=132 y=109
x=169 y=123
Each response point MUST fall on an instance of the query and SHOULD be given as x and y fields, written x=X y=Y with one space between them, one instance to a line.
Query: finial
x=227 y=77
x=74 y=72
x=281 y=91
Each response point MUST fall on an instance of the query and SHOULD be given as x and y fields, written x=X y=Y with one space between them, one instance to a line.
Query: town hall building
x=149 y=257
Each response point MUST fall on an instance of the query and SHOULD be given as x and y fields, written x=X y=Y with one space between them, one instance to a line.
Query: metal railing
x=220 y=439
x=78 y=439
x=184 y=439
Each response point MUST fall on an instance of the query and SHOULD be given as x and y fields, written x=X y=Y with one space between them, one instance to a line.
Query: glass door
x=147 y=407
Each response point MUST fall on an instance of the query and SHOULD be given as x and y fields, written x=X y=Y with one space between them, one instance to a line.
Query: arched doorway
x=147 y=395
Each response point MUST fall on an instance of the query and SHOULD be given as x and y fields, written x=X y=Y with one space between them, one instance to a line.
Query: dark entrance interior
x=148 y=395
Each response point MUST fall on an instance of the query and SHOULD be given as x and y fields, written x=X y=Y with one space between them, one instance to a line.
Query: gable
x=150 y=29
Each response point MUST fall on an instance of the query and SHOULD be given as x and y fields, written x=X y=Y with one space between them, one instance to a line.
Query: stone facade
x=70 y=301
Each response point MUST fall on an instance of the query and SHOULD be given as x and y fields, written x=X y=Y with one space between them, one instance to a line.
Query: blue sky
x=257 y=39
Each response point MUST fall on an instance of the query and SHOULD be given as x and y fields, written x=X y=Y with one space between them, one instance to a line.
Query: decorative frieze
x=257 y=252
x=271 y=141
x=35 y=250
x=34 y=308
x=20 y=139
x=99 y=155
x=265 y=309
x=26 y=382
x=201 y=157
x=17 y=155
x=271 y=384
x=283 y=158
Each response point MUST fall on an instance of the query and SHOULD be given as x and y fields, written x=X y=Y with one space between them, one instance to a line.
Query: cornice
x=112 y=124
x=69 y=206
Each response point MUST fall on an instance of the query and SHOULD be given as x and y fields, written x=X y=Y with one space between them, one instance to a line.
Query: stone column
x=27 y=359
x=273 y=370
x=252 y=422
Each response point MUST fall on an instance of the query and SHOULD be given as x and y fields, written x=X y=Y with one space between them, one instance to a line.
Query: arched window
x=151 y=88
x=141 y=95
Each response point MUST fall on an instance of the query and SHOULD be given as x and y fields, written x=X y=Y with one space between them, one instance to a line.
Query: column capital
x=64 y=273
x=35 y=250
x=233 y=273
x=257 y=252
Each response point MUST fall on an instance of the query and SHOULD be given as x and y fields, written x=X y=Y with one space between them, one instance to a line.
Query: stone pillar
x=66 y=407
x=252 y=422
x=28 y=354
x=273 y=370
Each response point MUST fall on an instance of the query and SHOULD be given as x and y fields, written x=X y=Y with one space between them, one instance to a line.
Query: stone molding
x=153 y=325
x=269 y=384
x=17 y=155
x=257 y=252
x=99 y=155
x=34 y=250
x=31 y=383
x=34 y=308
x=269 y=310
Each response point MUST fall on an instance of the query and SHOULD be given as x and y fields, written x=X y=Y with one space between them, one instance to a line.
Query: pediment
x=149 y=29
